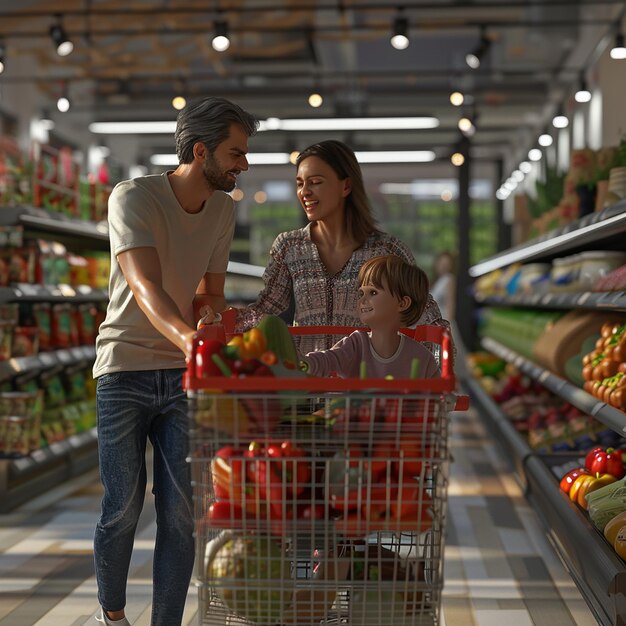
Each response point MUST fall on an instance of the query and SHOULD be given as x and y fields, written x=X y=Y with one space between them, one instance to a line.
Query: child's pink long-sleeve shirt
x=346 y=355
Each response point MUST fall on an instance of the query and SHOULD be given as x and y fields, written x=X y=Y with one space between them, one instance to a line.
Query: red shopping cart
x=321 y=500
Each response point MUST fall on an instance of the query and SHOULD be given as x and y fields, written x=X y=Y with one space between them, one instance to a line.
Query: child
x=392 y=294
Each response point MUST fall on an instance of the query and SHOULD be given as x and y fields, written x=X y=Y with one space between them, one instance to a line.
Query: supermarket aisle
x=499 y=567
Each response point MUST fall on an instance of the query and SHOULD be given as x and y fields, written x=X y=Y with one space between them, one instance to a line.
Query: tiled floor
x=499 y=567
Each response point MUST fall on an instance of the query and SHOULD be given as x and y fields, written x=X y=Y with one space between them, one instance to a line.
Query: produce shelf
x=591 y=229
x=24 y=478
x=593 y=564
x=602 y=300
x=608 y=415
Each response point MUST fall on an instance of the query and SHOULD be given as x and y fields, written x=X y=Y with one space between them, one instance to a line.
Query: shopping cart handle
x=462 y=403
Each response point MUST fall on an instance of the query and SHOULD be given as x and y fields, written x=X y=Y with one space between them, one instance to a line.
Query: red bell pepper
x=609 y=461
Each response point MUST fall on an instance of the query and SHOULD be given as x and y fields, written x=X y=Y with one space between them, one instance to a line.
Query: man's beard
x=215 y=178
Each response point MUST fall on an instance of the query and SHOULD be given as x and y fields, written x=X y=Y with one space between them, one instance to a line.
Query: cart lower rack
x=320 y=501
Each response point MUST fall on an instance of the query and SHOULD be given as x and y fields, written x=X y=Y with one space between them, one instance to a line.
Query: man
x=170 y=236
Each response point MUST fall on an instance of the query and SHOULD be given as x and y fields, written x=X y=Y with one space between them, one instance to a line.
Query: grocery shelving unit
x=23 y=478
x=599 y=573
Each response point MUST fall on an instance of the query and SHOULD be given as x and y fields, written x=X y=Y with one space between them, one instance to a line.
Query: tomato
x=568 y=479
x=223 y=514
x=382 y=454
x=412 y=455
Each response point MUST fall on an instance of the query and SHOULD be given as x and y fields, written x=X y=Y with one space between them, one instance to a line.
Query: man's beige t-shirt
x=144 y=212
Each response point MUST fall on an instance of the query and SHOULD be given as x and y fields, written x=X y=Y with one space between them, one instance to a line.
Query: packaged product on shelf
x=63 y=326
x=25 y=403
x=6 y=340
x=25 y=341
x=85 y=320
x=13 y=436
x=78 y=270
x=74 y=382
x=41 y=312
x=596 y=264
x=613 y=281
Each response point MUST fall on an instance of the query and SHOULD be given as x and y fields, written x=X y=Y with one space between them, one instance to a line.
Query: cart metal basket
x=321 y=500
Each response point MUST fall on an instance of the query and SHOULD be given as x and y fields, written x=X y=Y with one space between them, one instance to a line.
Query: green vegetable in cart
x=251 y=575
x=279 y=339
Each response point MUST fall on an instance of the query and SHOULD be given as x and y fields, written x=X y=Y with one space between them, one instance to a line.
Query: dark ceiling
x=131 y=57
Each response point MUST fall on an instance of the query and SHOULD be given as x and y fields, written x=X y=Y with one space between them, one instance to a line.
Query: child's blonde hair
x=402 y=279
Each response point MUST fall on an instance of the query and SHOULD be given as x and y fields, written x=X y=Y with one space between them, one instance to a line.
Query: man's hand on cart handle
x=208 y=316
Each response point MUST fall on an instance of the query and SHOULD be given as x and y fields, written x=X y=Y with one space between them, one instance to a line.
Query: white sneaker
x=107 y=621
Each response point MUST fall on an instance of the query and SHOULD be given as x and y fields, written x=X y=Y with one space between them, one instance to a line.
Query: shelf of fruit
x=591 y=229
x=41 y=221
x=608 y=415
x=603 y=300
x=591 y=560
x=594 y=561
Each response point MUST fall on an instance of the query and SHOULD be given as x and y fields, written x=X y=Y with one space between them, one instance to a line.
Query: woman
x=319 y=264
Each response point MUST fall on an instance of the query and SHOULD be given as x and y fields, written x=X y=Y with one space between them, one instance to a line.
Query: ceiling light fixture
x=619 y=50
x=2 y=55
x=400 y=39
x=282 y=158
x=582 y=94
x=63 y=103
x=60 y=39
x=179 y=102
x=535 y=154
x=545 y=140
x=358 y=123
x=274 y=123
x=316 y=100
x=457 y=159
x=221 y=40
x=475 y=57
x=560 y=119
x=457 y=98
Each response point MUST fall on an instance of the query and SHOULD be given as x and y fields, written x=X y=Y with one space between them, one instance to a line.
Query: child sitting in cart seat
x=392 y=294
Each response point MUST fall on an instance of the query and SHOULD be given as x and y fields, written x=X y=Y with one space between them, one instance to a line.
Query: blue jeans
x=132 y=408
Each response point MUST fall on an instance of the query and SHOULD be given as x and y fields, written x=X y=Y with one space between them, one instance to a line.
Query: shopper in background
x=170 y=236
x=444 y=284
x=392 y=295
x=318 y=265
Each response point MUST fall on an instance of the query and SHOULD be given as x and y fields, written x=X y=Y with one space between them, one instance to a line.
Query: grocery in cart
x=318 y=500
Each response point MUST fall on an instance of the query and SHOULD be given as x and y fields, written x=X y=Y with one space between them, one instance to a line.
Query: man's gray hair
x=208 y=121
